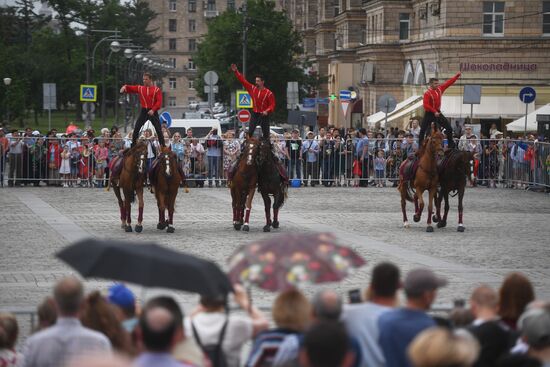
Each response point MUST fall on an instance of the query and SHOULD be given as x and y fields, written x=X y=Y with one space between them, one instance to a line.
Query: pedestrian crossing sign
x=88 y=93
x=244 y=100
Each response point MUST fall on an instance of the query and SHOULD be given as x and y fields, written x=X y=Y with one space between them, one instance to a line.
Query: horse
x=243 y=184
x=453 y=172
x=165 y=178
x=271 y=183
x=131 y=179
x=417 y=176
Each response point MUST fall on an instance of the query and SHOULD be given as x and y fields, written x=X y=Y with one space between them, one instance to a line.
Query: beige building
x=394 y=46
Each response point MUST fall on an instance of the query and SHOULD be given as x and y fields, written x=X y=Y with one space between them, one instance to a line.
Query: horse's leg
x=278 y=202
x=461 y=227
x=171 y=203
x=162 y=211
x=267 y=207
x=139 y=193
x=116 y=189
x=417 y=210
x=404 y=205
x=431 y=194
x=437 y=199
x=248 y=208
x=128 y=210
x=444 y=196
x=236 y=203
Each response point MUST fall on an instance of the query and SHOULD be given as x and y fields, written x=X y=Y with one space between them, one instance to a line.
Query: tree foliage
x=272 y=49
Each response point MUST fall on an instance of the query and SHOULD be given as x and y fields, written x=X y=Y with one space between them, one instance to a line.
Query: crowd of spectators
x=329 y=157
x=504 y=327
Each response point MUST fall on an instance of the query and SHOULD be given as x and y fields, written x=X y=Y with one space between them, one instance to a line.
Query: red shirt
x=149 y=97
x=264 y=99
x=432 y=97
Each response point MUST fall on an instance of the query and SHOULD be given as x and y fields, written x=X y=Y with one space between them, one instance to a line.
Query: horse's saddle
x=443 y=164
x=282 y=171
x=409 y=167
x=115 y=165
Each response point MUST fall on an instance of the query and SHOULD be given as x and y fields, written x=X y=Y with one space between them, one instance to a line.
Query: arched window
x=420 y=73
x=408 y=76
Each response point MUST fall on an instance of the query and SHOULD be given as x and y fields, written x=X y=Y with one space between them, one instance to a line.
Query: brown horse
x=166 y=179
x=453 y=172
x=417 y=176
x=270 y=183
x=130 y=179
x=243 y=184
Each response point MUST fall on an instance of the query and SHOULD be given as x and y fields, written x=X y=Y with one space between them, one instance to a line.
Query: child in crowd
x=65 y=168
x=380 y=168
x=75 y=161
x=101 y=155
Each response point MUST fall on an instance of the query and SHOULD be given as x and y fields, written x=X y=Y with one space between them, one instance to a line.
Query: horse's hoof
x=406 y=225
x=123 y=226
x=267 y=228
x=275 y=224
x=138 y=228
x=429 y=229
x=170 y=229
x=416 y=218
x=435 y=219
x=237 y=226
x=246 y=228
x=441 y=224
x=161 y=226
x=128 y=229
x=461 y=229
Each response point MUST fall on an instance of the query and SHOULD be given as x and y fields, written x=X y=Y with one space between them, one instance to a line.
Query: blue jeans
x=213 y=167
x=296 y=162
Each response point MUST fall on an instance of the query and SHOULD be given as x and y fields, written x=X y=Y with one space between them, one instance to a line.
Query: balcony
x=211 y=13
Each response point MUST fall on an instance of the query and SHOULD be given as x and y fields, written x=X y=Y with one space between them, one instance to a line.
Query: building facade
x=378 y=47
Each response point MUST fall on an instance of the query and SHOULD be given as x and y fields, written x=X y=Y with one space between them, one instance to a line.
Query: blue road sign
x=244 y=100
x=345 y=95
x=527 y=95
x=166 y=117
x=88 y=93
x=323 y=100
x=309 y=102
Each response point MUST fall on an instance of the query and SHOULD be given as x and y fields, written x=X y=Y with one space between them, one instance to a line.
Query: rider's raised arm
x=132 y=88
x=244 y=82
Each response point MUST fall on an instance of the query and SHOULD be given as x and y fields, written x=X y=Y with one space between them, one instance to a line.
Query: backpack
x=214 y=352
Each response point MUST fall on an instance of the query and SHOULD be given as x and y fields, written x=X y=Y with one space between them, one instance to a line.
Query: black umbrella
x=146 y=264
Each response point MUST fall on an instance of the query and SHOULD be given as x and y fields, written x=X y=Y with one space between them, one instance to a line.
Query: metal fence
x=327 y=162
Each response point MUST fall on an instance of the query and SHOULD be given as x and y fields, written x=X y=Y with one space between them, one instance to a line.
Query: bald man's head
x=68 y=294
x=327 y=305
x=485 y=296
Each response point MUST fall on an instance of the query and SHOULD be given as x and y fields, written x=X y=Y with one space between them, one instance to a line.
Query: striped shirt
x=264 y=99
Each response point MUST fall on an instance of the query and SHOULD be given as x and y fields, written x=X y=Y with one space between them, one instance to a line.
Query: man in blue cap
x=124 y=299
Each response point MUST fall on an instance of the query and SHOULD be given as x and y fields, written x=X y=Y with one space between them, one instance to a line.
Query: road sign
x=49 y=96
x=386 y=103
x=472 y=94
x=345 y=95
x=207 y=88
x=244 y=116
x=323 y=100
x=244 y=100
x=211 y=77
x=88 y=93
x=527 y=95
x=345 y=105
x=166 y=117
x=309 y=102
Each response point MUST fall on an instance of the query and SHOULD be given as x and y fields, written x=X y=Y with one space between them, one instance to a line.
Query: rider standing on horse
x=432 y=109
x=264 y=103
x=150 y=97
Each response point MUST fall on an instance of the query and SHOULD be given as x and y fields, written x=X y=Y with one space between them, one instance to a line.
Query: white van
x=200 y=127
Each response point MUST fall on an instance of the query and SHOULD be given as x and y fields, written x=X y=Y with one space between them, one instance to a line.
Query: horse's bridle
x=167 y=164
x=249 y=155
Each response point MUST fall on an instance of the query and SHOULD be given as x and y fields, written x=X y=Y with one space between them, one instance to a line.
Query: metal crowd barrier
x=499 y=163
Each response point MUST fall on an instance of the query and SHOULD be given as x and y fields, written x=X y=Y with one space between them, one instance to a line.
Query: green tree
x=272 y=50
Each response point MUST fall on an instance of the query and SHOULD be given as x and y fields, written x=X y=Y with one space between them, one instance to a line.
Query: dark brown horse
x=130 y=179
x=453 y=173
x=243 y=184
x=166 y=179
x=270 y=183
x=415 y=177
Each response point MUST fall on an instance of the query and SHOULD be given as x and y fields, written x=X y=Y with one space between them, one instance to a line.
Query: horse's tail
x=406 y=189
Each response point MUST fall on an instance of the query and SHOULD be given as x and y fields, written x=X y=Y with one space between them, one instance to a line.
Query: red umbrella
x=286 y=261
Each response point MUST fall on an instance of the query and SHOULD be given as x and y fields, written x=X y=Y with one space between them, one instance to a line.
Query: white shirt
x=209 y=325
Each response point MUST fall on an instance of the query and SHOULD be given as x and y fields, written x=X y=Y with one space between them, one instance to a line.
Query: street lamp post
x=7 y=82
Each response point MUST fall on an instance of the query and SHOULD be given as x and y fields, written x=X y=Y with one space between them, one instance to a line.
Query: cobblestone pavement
x=506 y=230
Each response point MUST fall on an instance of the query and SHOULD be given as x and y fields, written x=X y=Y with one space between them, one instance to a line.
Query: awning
x=402 y=109
x=490 y=107
x=519 y=124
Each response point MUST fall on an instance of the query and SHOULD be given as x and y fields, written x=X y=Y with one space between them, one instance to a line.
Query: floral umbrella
x=287 y=261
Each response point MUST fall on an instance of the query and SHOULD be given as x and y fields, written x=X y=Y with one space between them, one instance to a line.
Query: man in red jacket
x=150 y=97
x=264 y=102
x=432 y=109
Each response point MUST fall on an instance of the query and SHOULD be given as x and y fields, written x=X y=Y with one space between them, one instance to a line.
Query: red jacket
x=432 y=97
x=149 y=97
x=264 y=99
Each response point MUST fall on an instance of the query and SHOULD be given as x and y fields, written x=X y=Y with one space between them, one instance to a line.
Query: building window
x=230 y=4
x=172 y=62
x=211 y=5
x=172 y=5
x=192 y=44
x=172 y=25
x=172 y=44
x=172 y=101
x=493 y=17
x=172 y=82
x=546 y=17
x=404 y=22
x=191 y=64
x=191 y=84
x=192 y=25
x=336 y=10
x=192 y=6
